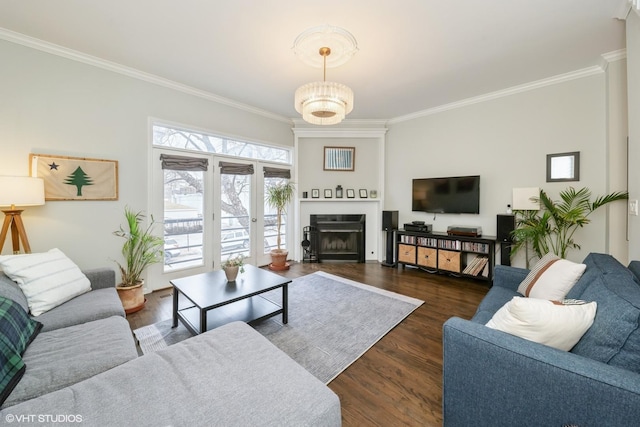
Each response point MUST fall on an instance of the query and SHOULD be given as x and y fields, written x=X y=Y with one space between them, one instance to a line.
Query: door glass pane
x=270 y=220
x=183 y=219
x=235 y=206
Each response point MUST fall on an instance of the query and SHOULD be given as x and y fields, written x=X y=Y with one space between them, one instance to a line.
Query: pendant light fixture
x=324 y=103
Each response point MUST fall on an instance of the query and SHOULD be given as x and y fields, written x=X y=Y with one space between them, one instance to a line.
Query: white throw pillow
x=551 y=278
x=47 y=279
x=553 y=323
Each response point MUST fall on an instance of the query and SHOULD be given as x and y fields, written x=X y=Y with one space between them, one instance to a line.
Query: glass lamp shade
x=21 y=191
x=323 y=103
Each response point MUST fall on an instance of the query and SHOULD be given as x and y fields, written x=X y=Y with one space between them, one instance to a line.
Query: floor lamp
x=18 y=191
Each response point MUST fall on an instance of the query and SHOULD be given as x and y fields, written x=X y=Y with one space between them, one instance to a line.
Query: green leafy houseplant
x=278 y=197
x=552 y=228
x=140 y=249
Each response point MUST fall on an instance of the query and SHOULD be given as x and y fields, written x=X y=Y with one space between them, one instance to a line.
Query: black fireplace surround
x=339 y=237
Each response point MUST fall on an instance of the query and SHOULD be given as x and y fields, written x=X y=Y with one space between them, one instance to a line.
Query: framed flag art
x=75 y=178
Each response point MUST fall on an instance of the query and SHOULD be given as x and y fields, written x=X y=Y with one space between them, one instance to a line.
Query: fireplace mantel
x=340 y=200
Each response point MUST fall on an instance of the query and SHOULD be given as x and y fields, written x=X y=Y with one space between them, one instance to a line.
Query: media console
x=472 y=257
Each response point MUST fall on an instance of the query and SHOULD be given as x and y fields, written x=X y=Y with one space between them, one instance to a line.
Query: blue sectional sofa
x=492 y=378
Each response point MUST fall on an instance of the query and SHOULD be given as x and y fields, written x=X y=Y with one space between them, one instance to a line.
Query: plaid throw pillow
x=17 y=331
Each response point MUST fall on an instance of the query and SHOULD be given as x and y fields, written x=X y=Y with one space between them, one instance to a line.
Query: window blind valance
x=182 y=163
x=236 y=168
x=276 y=173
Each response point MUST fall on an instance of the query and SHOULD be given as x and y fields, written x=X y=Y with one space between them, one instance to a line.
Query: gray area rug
x=332 y=322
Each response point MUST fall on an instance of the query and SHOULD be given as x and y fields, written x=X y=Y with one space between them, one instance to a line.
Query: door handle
x=254 y=219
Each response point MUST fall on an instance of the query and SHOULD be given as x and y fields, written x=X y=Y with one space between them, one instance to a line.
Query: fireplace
x=339 y=237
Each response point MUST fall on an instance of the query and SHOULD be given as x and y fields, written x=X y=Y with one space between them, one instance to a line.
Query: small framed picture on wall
x=339 y=158
x=351 y=193
x=328 y=193
x=315 y=193
x=363 y=194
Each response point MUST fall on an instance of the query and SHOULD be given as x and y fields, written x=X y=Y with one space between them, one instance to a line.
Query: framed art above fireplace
x=339 y=158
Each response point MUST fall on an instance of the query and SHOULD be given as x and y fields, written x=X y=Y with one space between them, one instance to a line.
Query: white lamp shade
x=522 y=199
x=21 y=191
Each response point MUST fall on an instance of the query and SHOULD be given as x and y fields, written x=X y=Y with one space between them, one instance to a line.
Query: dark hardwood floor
x=399 y=380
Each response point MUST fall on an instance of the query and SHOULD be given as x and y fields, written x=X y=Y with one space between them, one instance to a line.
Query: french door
x=211 y=214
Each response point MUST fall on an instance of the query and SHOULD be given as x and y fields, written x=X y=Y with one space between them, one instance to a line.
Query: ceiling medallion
x=324 y=103
x=342 y=43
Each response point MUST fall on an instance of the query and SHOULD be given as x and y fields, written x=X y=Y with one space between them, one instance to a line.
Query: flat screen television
x=459 y=194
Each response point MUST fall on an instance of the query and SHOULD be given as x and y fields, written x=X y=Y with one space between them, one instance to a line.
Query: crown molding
x=616 y=55
x=561 y=78
x=346 y=123
x=609 y=57
x=349 y=128
x=34 y=43
x=626 y=6
x=623 y=10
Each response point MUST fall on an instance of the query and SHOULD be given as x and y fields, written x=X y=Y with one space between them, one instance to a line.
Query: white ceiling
x=414 y=55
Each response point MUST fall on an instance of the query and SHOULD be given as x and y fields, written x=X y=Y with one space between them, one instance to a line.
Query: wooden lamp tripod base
x=12 y=218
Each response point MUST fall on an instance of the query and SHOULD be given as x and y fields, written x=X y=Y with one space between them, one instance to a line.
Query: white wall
x=53 y=105
x=310 y=164
x=368 y=174
x=505 y=141
x=633 y=71
x=618 y=245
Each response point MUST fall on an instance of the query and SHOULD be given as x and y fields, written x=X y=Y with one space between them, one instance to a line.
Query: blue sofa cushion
x=614 y=337
x=634 y=266
x=597 y=266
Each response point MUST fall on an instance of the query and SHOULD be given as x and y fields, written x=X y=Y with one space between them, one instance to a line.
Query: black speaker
x=389 y=224
x=506 y=224
x=389 y=220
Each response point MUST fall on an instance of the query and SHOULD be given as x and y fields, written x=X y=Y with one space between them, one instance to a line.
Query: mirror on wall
x=563 y=167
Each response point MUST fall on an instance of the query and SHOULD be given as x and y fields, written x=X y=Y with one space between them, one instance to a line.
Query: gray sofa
x=493 y=378
x=84 y=366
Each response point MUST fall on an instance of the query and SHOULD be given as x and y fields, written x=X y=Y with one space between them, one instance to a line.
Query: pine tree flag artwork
x=79 y=178
x=76 y=178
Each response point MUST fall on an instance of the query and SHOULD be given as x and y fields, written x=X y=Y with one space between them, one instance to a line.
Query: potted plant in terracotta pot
x=278 y=197
x=232 y=266
x=140 y=249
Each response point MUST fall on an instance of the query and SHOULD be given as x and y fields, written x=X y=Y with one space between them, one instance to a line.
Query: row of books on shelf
x=422 y=241
x=408 y=239
x=446 y=244
x=450 y=244
x=478 y=266
x=428 y=241
x=475 y=247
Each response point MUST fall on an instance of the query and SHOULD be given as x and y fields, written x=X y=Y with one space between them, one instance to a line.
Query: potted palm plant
x=278 y=197
x=140 y=249
x=551 y=229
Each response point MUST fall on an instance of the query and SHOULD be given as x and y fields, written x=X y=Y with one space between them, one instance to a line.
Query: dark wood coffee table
x=212 y=301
